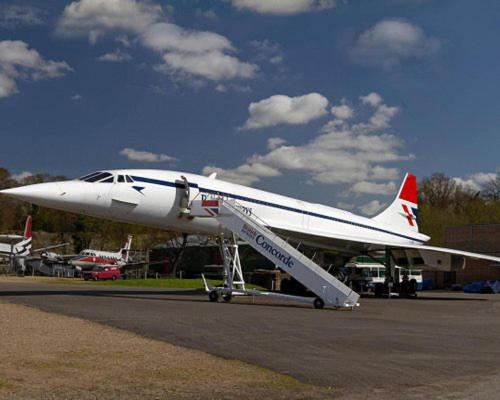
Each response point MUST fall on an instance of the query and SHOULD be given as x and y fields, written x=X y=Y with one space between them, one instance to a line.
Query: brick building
x=483 y=239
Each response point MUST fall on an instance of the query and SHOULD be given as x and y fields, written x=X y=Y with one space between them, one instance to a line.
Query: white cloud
x=115 y=56
x=21 y=176
x=372 y=207
x=283 y=7
x=245 y=174
x=276 y=59
x=145 y=156
x=341 y=154
x=342 y=111
x=223 y=88
x=391 y=41
x=76 y=97
x=189 y=54
x=13 y=15
x=93 y=18
x=213 y=65
x=476 y=181
x=170 y=37
x=281 y=109
x=382 y=116
x=379 y=173
x=197 y=53
x=373 y=99
x=18 y=61
x=275 y=142
x=8 y=86
x=364 y=187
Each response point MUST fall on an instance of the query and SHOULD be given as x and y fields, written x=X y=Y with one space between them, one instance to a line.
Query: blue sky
x=328 y=101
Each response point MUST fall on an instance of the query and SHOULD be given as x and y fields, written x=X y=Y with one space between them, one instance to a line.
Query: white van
x=373 y=272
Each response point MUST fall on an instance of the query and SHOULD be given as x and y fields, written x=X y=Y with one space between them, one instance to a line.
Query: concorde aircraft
x=162 y=199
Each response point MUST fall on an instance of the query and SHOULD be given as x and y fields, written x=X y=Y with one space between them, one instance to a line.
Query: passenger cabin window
x=121 y=178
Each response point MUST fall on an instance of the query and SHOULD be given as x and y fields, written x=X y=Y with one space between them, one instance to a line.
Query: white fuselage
x=21 y=248
x=89 y=258
x=154 y=198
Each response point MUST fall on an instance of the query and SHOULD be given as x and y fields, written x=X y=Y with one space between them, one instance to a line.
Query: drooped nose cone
x=35 y=193
x=59 y=195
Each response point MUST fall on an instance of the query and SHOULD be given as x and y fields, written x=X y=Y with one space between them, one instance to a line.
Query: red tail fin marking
x=409 y=189
x=27 y=228
x=409 y=216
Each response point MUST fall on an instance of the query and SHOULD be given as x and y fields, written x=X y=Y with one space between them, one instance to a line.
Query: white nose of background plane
x=66 y=195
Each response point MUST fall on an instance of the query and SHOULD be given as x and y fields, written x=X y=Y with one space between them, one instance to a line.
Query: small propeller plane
x=162 y=199
x=90 y=258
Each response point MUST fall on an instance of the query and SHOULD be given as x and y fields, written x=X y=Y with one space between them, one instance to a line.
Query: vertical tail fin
x=403 y=212
x=27 y=227
x=23 y=248
x=126 y=249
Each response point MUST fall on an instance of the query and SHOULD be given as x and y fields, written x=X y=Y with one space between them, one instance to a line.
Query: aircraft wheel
x=226 y=297
x=213 y=295
x=96 y=278
x=318 y=303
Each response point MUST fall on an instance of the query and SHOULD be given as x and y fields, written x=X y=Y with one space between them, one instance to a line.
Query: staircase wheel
x=213 y=295
x=318 y=303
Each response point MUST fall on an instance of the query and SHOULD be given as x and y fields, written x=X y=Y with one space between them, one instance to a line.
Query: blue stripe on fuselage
x=266 y=203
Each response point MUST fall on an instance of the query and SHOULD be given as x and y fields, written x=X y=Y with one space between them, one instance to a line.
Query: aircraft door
x=185 y=193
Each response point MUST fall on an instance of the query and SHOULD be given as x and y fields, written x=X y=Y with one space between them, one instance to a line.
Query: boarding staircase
x=328 y=289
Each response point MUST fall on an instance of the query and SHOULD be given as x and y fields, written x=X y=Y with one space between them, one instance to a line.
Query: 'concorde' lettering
x=284 y=258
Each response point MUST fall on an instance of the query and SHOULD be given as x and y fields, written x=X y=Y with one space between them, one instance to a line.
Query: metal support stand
x=233 y=273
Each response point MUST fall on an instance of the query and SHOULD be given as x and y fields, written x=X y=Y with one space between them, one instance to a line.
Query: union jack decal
x=211 y=207
x=411 y=214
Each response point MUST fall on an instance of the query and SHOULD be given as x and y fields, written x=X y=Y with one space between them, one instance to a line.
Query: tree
x=438 y=190
x=491 y=189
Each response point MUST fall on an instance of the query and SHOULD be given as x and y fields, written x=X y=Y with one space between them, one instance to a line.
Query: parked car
x=482 y=287
x=98 y=273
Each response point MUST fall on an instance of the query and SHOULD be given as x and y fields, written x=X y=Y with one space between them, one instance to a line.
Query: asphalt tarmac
x=439 y=340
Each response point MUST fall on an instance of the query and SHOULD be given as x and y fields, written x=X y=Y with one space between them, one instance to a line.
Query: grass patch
x=170 y=283
x=173 y=283
x=4 y=384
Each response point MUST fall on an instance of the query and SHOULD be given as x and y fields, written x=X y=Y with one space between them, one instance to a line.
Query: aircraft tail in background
x=125 y=251
x=403 y=212
x=27 y=227
x=17 y=245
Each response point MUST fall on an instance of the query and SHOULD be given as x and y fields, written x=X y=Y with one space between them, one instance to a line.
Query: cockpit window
x=109 y=180
x=129 y=179
x=121 y=178
x=89 y=176
x=98 y=177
